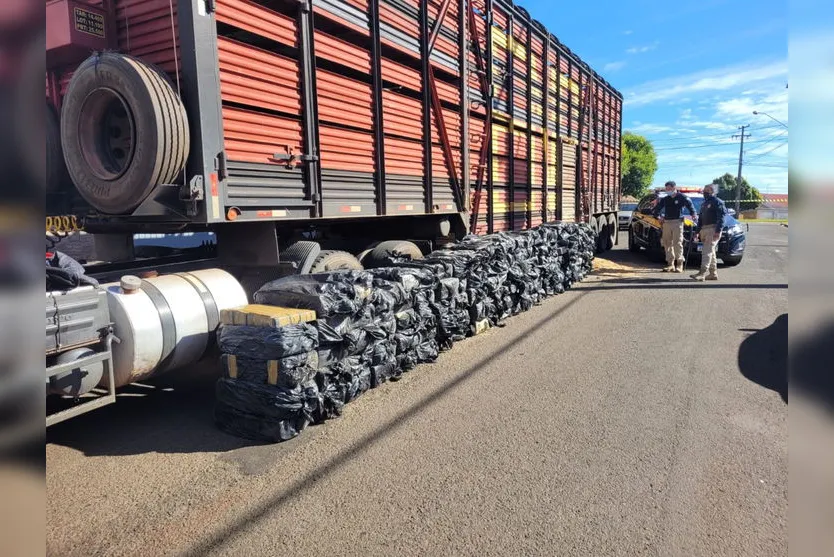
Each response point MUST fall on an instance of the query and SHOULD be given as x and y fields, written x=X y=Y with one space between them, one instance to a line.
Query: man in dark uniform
x=672 y=225
x=711 y=220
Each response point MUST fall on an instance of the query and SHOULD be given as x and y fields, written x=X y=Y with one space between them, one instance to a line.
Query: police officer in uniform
x=711 y=220
x=672 y=225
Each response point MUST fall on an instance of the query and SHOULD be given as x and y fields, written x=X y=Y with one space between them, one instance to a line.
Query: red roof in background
x=775 y=200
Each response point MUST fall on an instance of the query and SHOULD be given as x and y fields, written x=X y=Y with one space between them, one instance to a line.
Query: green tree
x=750 y=196
x=639 y=164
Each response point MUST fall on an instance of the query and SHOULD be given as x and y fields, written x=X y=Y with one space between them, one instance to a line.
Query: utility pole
x=742 y=135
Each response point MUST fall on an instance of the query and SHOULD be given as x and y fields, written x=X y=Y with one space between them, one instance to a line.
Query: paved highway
x=640 y=413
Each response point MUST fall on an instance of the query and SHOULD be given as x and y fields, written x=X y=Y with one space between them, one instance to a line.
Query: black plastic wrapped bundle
x=447 y=302
x=288 y=372
x=341 y=383
x=332 y=294
x=268 y=343
x=580 y=241
x=380 y=355
x=350 y=311
x=262 y=412
x=415 y=323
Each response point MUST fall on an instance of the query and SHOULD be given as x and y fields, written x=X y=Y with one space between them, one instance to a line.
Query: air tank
x=166 y=322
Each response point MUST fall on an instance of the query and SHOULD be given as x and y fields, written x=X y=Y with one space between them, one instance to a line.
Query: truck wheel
x=303 y=254
x=363 y=255
x=384 y=252
x=633 y=246
x=56 y=168
x=124 y=131
x=332 y=260
x=613 y=229
x=594 y=224
x=604 y=236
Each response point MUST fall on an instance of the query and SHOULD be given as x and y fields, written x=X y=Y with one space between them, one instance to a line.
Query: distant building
x=775 y=206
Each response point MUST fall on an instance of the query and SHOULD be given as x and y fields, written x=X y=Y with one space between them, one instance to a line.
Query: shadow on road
x=652 y=283
x=811 y=370
x=303 y=483
x=763 y=357
x=619 y=263
x=171 y=414
x=174 y=414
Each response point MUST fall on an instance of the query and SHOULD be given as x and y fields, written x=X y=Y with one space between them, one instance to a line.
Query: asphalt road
x=640 y=413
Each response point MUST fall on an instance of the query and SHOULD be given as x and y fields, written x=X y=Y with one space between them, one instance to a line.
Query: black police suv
x=644 y=231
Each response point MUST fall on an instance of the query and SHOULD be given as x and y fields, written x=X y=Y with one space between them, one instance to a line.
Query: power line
x=703 y=146
x=774 y=138
x=697 y=137
x=760 y=155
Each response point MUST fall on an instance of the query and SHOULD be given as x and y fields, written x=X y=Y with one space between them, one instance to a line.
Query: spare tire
x=332 y=260
x=124 y=131
x=56 y=169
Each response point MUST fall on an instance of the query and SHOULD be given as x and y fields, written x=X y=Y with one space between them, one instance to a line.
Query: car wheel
x=656 y=252
x=731 y=261
x=633 y=246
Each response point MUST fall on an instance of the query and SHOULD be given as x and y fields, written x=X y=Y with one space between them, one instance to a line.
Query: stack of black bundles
x=268 y=392
x=580 y=241
x=342 y=302
x=451 y=302
x=387 y=299
x=549 y=259
x=415 y=334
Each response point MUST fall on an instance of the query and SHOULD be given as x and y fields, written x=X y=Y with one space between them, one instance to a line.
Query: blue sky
x=690 y=72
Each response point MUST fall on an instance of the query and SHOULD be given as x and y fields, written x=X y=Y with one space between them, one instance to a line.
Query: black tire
x=731 y=261
x=333 y=260
x=604 y=236
x=303 y=254
x=363 y=255
x=124 y=131
x=594 y=224
x=656 y=252
x=56 y=169
x=633 y=246
x=384 y=252
x=613 y=229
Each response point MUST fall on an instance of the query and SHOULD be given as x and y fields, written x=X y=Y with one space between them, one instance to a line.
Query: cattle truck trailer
x=305 y=132
x=334 y=119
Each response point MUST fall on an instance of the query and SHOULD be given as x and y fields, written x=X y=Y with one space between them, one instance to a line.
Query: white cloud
x=628 y=32
x=642 y=49
x=650 y=129
x=614 y=66
x=716 y=79
x=686 y=114
x=711 y=125
x=743 y=107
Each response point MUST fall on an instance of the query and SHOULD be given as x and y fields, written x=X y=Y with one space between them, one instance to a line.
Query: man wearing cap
x=711 y=220
x=672 y=207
